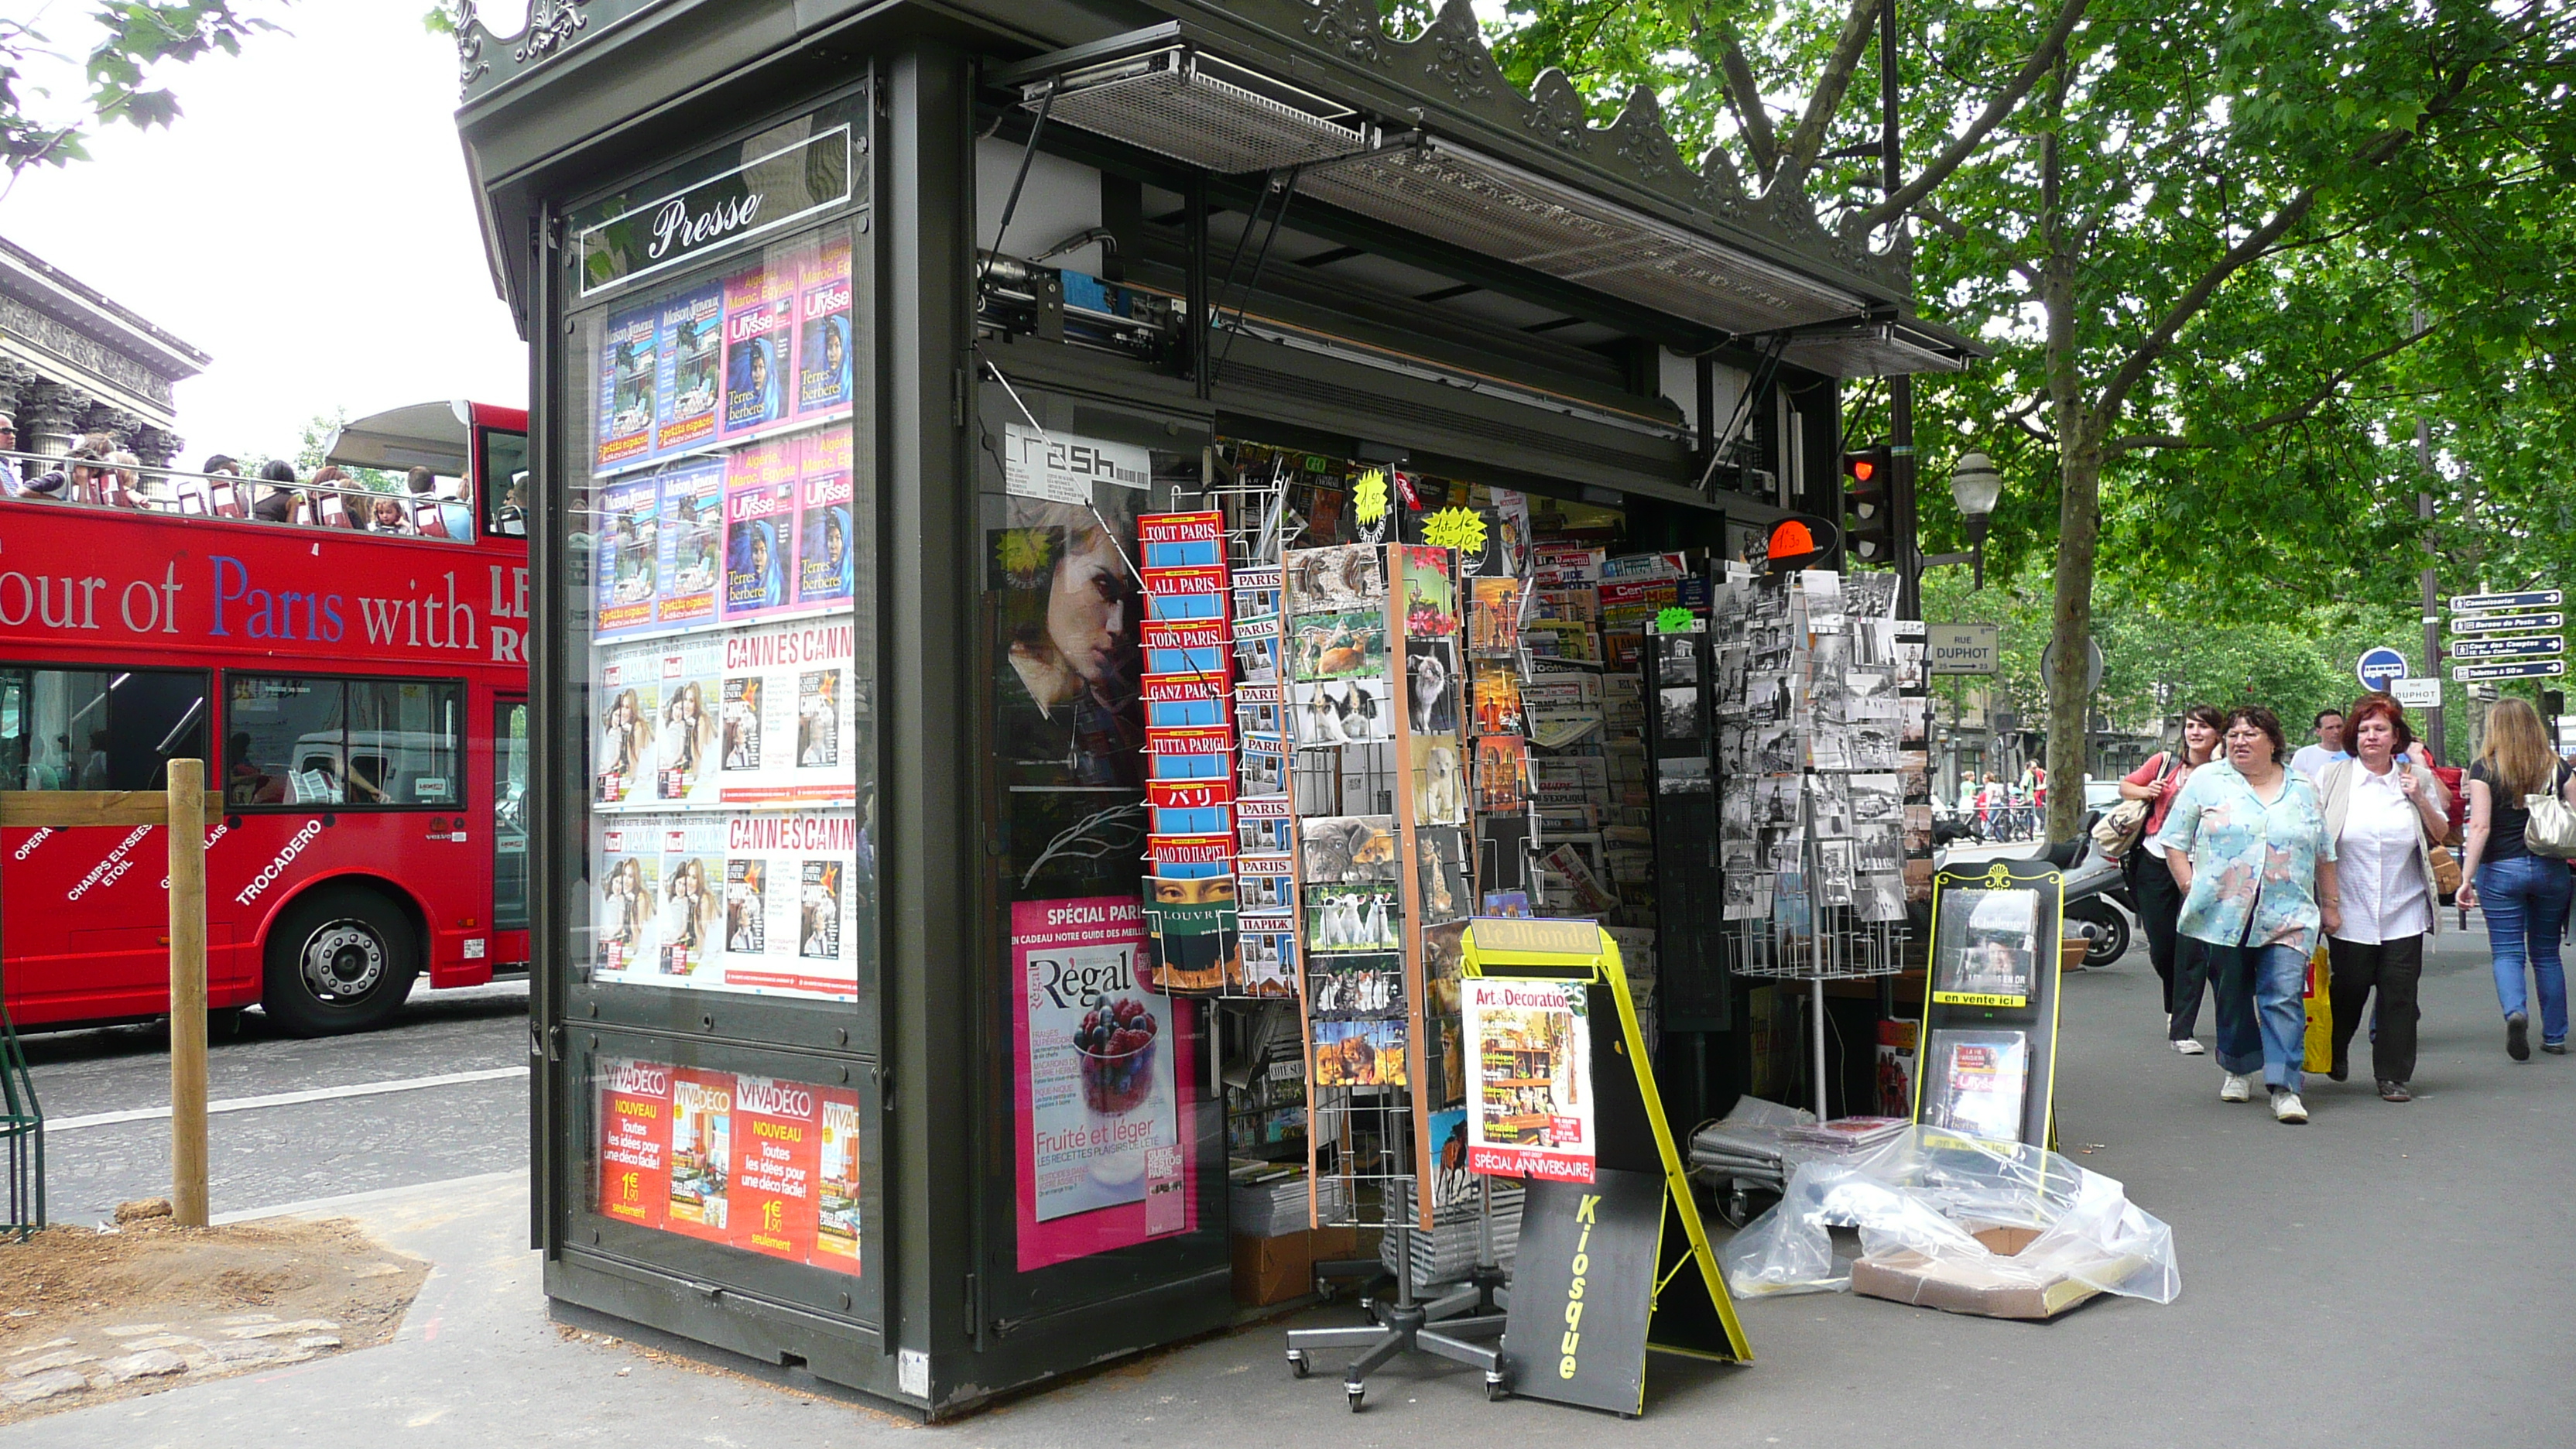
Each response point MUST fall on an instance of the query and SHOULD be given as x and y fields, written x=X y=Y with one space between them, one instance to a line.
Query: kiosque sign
x=1962 y=648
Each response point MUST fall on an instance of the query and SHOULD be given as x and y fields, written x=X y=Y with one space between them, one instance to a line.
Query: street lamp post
x=1976 y=487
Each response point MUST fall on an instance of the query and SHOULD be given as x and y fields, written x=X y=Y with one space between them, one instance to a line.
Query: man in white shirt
x=2311 y=760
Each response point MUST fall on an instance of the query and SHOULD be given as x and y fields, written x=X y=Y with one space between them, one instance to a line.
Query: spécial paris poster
x=1100 y=1071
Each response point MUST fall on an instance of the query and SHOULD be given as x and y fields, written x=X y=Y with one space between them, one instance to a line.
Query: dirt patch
x=88 y=1316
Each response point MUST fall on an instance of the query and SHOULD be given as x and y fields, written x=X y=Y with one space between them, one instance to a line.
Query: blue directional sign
x=2507 y=623
x=2527 y=599
x=2519 y=669
x=2378 y=667
x=2518 y=648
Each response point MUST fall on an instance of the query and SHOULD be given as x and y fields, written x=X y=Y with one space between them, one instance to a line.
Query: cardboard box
x=1273 y=1270
x=2002 y=1287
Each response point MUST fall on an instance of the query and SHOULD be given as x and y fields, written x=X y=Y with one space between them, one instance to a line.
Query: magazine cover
x=818 y=719
x=1896 y=1041
x=760 y=512
x=634 y=1141
x=760 y=306
x=791 y=917
x=1529 y=1079
x=778 y=1128
x=629 y=532
x=837 y=1229
x=630 y=695
x=693 y=877
x=787 y=709
x=629 y=882
x=691 y=341
x=746 y=928
x=685 y=736
x=691 y=546
x=826 y=548
x=823 y=379
x=1986 y=947
x=626 y=379
x=818 y=920
x=1974 y=1082
x=701 y=1152
x=1096 y=1071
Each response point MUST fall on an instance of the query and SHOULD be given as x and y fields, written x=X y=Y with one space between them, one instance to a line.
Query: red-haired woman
x=2385 y=814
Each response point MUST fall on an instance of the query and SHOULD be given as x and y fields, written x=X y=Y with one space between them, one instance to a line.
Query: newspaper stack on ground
x=1448 y=1251
x=1272 y=1203
x=1841 y=1137
x=1747 y=1144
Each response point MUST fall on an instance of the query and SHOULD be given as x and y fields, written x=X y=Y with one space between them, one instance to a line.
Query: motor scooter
x=2098 y=901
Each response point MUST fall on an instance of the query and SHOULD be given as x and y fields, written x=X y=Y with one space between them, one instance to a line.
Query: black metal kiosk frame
x=810 y=971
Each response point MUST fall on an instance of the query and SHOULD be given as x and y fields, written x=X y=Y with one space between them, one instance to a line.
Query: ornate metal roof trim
x=485 y=60
x=1449 y=63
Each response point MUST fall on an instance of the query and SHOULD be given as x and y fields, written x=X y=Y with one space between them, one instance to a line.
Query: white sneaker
x=2235 y=1089
x=2286 y=1107
x=2189 y=1048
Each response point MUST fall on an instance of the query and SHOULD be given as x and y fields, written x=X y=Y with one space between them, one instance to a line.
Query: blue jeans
x=2262 y=1017
x=2525 y=901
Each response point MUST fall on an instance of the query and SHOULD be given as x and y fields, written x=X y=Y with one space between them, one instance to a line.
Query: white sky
x=306 y=221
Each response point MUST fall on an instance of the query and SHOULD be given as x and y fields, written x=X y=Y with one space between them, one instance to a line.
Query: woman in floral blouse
x=2246 y=840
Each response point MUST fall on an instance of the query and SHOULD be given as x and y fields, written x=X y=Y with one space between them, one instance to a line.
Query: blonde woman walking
x=2523 y=895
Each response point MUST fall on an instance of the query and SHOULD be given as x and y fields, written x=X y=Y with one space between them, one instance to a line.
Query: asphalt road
x=408 y=1128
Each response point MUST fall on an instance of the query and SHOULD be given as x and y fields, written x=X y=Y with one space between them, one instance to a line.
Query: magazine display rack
x=1989 y=1055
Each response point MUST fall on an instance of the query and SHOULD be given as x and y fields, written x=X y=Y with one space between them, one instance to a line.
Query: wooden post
x=188 y=992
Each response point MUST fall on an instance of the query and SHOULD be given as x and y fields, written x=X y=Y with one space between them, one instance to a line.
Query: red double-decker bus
x=352 y=666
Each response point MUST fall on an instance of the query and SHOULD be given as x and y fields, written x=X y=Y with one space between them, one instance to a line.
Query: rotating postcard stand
x=1989 y=1054
x=1369 y=656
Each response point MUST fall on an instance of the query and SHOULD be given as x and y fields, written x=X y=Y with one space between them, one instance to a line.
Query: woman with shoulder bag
x=2524 y=894
x=2178 y=959
x=2384 y=814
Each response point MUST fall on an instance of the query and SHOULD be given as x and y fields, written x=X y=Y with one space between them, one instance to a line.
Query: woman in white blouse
x=2384 y=816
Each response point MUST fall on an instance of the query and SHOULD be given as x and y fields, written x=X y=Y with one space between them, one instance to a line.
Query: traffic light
x=1870 y=533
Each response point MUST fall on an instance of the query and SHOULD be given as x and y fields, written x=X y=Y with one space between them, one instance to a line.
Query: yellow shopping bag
x=2320 y=1008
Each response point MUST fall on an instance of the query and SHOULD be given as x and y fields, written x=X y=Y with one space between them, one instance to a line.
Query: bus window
x=510 y=815
x=503 y=483
x=297 y=740
x=92 y=729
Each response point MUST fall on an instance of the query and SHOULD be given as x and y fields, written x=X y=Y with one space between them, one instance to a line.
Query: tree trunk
x=2070 y=702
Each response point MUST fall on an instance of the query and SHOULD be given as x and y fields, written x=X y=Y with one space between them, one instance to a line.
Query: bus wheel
x=341 y=959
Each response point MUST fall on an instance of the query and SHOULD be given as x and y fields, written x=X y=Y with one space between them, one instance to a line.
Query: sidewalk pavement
x=2385 y=1276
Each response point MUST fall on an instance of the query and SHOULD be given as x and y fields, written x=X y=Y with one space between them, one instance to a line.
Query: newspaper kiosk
x=862 y=335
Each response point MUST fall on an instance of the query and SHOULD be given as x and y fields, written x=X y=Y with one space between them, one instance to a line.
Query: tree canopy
x=126 y=41
x=2227 y=252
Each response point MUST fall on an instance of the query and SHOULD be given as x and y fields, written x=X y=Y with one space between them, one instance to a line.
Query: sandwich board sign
x=1617 y=1264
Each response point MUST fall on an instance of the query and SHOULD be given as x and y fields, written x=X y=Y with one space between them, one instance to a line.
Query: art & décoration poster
x=1099 y=1070
x=1529 y=1080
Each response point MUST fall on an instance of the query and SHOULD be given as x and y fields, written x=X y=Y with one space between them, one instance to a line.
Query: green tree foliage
x=127 y=39
x=2226 y=251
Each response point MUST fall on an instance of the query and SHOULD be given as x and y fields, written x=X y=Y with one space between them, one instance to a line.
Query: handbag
x=2446 y=871
x=2551 y=830
x=2118 y=831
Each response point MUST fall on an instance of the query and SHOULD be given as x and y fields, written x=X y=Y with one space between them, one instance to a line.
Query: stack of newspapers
x=1747 y=1144
x=1269 y=1200
x=1448 y=1251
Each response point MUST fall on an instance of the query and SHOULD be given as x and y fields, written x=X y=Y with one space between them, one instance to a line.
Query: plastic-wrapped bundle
x=1922 y=1200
